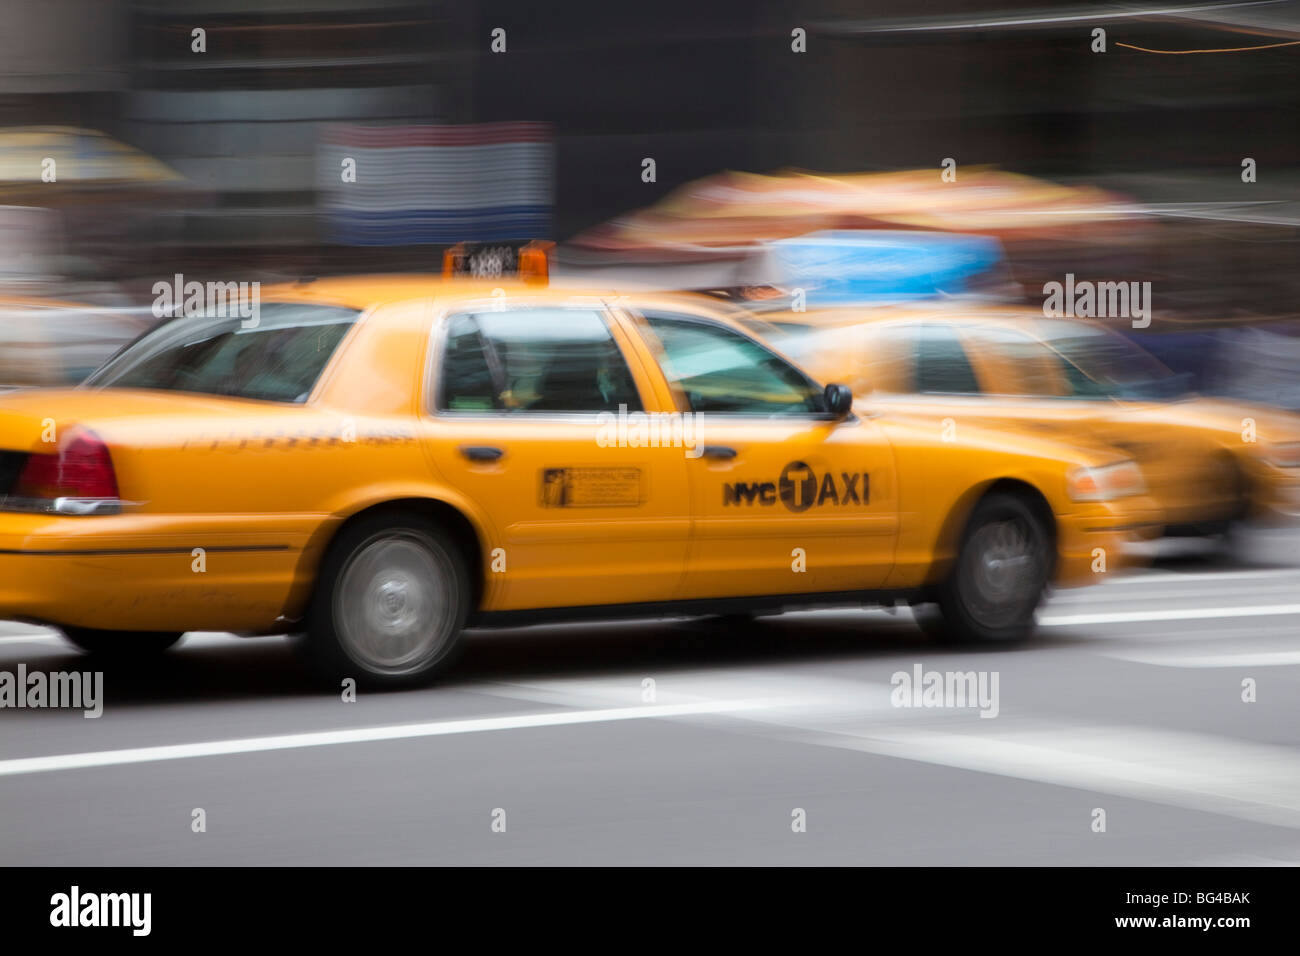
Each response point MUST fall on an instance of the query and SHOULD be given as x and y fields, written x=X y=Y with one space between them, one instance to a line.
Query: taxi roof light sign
x=528 y=260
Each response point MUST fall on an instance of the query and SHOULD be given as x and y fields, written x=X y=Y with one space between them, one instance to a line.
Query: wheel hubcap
x=1005 y=567
x=393 y=606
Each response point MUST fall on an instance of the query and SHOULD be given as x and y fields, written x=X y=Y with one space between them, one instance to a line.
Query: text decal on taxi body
x=799 y=488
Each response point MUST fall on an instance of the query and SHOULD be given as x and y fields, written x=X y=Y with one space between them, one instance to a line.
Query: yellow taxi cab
x=1208 y=462
x=376 y=463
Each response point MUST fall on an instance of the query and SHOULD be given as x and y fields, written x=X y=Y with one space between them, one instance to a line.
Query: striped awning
x=437 y=184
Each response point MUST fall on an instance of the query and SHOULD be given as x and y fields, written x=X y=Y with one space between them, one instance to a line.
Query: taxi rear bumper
x=131 y=572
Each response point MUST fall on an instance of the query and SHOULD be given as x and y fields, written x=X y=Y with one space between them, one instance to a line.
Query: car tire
x=124 y=644
x=999 y=576
x=390 y=602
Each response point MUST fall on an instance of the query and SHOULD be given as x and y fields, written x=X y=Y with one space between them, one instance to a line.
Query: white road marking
x=1199 y=576
x=1211 y=630
x=216 y=748
x=1258 y=659
x=1167 y=614
x=1236 y=778
x=782 y=690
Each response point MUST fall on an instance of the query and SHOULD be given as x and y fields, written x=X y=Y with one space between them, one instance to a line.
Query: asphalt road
x=1129 y=701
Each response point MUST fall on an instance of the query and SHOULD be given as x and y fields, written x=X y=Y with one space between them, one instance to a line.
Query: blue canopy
x=842 y=267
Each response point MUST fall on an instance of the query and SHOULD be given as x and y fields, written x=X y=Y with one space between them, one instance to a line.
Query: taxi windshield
x=1101 y=362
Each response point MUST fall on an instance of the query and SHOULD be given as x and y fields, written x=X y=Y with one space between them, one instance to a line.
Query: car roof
x=950 y=312
x=363 y=291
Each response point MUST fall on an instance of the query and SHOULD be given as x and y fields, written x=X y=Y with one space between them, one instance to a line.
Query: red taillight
x=82 y=468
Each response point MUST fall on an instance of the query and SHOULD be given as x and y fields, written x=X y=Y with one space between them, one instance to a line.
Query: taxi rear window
x=279 y=359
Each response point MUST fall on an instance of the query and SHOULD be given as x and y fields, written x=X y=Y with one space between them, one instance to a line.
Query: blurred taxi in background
x=1208 y=462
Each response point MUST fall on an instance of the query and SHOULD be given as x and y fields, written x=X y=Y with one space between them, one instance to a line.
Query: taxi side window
x=466 y=376
x=942 y=366
x=534 y=360
x=887 y=359
x=1023 y=365
x=721 y=371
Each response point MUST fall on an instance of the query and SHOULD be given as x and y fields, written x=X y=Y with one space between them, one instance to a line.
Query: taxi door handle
x=482 y=452
x=718 y=452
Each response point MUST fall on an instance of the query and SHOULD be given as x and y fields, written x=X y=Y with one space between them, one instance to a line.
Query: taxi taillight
x=78 y=478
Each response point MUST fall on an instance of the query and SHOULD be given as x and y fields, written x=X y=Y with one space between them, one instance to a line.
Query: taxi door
x=523 y=418
x=785 y=499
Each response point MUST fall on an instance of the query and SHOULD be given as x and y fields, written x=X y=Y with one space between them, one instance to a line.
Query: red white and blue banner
x=408 y=185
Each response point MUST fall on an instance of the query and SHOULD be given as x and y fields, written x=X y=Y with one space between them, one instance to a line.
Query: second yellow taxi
x=1209 y=462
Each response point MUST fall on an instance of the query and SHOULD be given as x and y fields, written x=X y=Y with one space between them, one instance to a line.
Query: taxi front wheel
x=999 y=577
x=121 y=643
x=390 y=602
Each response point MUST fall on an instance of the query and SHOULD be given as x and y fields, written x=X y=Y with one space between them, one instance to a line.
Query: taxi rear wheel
x=121 y=643
x=1000 y=574
x=390 y=602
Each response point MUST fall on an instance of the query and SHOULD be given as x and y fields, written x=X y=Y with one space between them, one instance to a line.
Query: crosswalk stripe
x=1243 y=659
x=217 y=748
x=1167 y=614
x=1236 y=778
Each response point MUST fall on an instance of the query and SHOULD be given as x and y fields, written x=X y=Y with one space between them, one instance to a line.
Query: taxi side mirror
x=839 y=400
